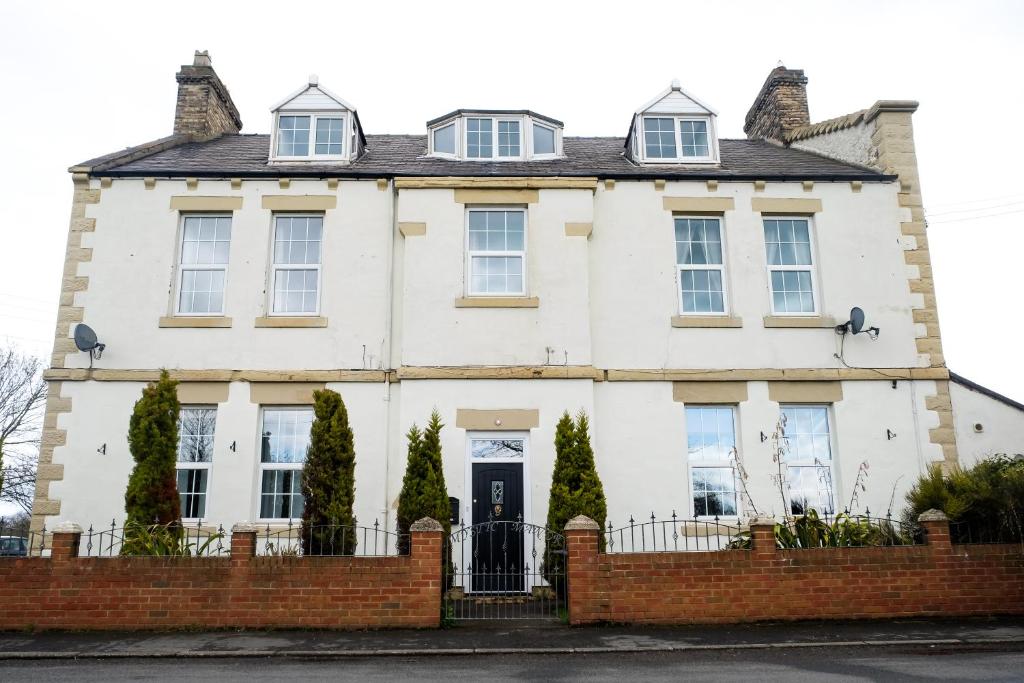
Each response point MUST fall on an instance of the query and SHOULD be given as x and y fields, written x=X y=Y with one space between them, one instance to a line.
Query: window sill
x=291 y=321
x=182 y=321
x=706 y=321
x=814 y=321
x=497 y=302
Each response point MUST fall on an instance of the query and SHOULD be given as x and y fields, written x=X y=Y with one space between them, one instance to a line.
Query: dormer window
x=313 y=125
x=495 y=136
x=480 y=138
x=543 y=140
x=676 y=139
x=444 y=140
x=674 y=127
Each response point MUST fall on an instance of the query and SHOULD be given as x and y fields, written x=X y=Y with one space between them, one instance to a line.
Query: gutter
x=390 y=175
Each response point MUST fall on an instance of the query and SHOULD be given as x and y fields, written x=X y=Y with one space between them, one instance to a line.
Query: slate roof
x=404 y=155
x=974 y=386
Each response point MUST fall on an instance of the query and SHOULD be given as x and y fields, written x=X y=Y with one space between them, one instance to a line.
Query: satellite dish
x=85 y=340
x=856 y=319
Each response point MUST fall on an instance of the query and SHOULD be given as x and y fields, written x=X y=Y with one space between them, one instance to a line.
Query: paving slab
x=508 y=638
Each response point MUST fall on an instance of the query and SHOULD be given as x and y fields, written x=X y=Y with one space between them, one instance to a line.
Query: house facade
x=688 y=293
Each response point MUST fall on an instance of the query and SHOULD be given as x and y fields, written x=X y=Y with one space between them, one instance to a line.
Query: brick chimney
x=780 y=107
x=204 y=108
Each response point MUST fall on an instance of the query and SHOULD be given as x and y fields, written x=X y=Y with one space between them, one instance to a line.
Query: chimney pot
x=202 y=58
x=676 y=85
x=313 y=79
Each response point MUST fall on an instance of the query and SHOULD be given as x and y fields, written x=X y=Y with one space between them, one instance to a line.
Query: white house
x=681 y=289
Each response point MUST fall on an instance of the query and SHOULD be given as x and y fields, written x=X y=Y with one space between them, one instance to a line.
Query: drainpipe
x=385 y=360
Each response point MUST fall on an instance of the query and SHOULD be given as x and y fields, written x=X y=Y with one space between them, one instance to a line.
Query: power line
x=973 y=218
x=28 y=298
x=980 y=208
x=978 y=201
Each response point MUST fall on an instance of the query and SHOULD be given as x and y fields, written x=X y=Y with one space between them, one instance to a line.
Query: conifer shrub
x=424 y=493
x=328 y=480
x=984 y=502
x=152 y=494
x=576 y=488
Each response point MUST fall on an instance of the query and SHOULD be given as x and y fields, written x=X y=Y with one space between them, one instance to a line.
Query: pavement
x=526 y=638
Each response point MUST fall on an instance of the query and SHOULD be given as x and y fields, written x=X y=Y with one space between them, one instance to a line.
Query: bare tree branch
x=22 y=402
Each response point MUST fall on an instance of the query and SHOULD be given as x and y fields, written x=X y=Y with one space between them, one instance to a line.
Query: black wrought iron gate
x=499 y=570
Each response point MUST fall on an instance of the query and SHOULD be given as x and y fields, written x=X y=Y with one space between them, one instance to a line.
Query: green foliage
x=984 y=502
x=844 y=531
x=164 y=540
x=575 y=485
x=152 y=494
x=424 y=493
x=328 y=480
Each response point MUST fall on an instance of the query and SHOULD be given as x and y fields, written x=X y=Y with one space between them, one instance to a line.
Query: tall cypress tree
x=423 y=489
x=576 y=488
x=328 y=480
x=432 y=452
x=152 y=494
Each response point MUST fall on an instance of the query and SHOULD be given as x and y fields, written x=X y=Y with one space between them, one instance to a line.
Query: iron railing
x=974 y=532
x=16 y=540
x=504 y=570
x=331 y=540
x=194 y=539
x=675 y=534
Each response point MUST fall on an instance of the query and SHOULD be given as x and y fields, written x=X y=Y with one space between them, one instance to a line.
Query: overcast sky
x=83 y=79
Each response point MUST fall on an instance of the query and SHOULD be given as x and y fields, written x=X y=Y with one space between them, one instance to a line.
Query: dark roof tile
x=404 y=155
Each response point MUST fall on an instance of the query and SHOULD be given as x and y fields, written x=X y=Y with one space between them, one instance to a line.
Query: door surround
x=467 y=502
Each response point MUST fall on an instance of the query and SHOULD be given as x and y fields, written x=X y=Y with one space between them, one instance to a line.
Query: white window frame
x=182 y=267
x=457 y=135
x=471 y=253
x=347 y=130
x=698 y=463
x=833 y=471
x=275 y=267
x=495 y=120
x=189 y=465
x=813 y=268
x=555 y=137
x=641 y=139
x=680 y=267
x=262 y=467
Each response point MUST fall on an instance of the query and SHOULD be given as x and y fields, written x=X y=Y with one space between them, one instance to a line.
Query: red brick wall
x=69 y=592
x=770 y=584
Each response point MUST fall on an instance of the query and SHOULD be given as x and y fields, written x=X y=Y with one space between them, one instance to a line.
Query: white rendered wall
x=606 y=301
x=435 y=332
x=94 y=484
x=858 y=258
x=637 y=430
x=549 y=397
x=1002 y=426
x=131 y=281
x=640 y=447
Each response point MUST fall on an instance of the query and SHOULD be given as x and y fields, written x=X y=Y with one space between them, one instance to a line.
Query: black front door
x=497 y=544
